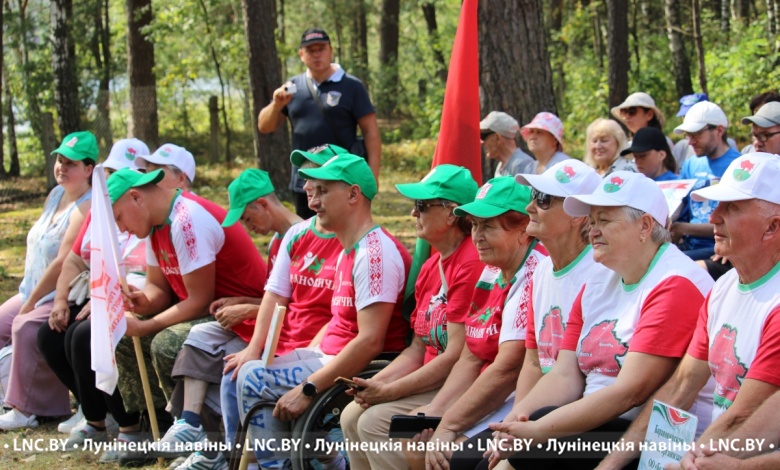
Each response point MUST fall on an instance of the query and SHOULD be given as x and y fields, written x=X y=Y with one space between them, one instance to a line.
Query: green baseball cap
x=318 y=155
x=450 y=182
x=496 y=197
x=79 y=146
x=348 y=168
x=250 y=185
x=120 y=181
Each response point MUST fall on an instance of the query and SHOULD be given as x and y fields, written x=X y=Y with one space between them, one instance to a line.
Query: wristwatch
x=309 y=389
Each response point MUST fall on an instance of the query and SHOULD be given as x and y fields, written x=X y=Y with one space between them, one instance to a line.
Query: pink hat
x=547 y=122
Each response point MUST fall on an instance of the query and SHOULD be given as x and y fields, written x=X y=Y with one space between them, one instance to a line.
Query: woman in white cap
x=628 y=327
x=442 y=293
x=605 y=140
x=556 y=282
x=544 y=136
x=481 y=382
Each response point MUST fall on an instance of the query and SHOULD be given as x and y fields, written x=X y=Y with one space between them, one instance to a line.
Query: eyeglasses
x=421 y=206
x=764 y=136
x=484 y=135
x=697 y=135
x=543 y=200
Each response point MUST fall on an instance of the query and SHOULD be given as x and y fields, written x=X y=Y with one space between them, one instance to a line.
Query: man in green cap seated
x=192 y=260
x=365 y=306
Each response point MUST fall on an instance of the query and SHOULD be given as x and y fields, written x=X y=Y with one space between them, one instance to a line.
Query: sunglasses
x=543 y=200
x=630 y=111
x=321 y=148
x=421 y=206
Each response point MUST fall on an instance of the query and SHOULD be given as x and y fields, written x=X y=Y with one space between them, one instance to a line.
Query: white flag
x=108 y=316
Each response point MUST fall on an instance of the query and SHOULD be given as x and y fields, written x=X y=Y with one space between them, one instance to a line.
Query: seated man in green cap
x=301 y=280
x=191 y=259
x=366 y=315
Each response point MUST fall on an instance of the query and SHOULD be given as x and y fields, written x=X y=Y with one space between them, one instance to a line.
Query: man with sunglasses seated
x=498 y=132
x=705 y=127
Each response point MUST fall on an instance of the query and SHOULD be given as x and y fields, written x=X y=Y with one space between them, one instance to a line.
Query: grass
x=21 y=201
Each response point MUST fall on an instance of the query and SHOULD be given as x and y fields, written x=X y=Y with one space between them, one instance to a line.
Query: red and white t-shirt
x=498 y=310
x=192 y=238
x=738 y=333
x=552 y=302
x=303 y=272
x=655 y=316
x=437 y=306
x=374 y=270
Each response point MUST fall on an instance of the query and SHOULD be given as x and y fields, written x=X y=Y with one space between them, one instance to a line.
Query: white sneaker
x=179 y=440
x=114 y=453
x=112 y=427
x=68 y=425
x=198 y=461
x=15 y=419
x=82 y=434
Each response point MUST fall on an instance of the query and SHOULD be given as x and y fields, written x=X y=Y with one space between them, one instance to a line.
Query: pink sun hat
x=547 y=122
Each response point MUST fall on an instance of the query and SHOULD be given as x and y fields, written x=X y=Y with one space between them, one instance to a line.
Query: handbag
x=79 y=288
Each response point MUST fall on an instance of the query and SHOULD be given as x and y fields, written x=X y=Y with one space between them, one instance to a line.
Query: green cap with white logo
x=497 y=196
x=121 y=181
x=348 y=168
x=79 y=146
x=318 y=155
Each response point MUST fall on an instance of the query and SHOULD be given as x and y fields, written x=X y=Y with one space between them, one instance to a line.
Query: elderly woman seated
x=619 y=345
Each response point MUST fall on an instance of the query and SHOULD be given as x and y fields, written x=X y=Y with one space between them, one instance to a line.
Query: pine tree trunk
x=388 y=58
x=271 y=150
x=429 y=13
x=617 y=45
x=102 y=54
x=13 y=151
x=725 y=17
x=63 y=64
x=770 y=13
x=681 y=67
x=696 y=13
x=2 y=87
x=143 y=123
x=359 y=42
x=515 y=80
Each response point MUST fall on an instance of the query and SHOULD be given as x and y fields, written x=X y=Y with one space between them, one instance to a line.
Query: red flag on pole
x=458 y=142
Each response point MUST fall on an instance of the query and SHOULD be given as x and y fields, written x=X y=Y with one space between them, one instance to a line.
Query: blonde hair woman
x=605 y=139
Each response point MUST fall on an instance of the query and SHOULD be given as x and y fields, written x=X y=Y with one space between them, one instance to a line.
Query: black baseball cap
x=647 y=138
x=313 y=36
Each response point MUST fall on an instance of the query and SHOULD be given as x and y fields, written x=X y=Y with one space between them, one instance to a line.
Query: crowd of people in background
x=561 y=296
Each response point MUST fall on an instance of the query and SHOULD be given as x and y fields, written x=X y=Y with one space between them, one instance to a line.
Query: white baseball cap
x=123 y=154
x=767 y=115
x=751 y=176
x=170 y=154
x=500 y=123
x=702 y=114
x=622 y=188
x=567 y=178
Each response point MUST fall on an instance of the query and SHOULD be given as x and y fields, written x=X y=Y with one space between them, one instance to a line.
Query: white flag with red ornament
x=106 y=274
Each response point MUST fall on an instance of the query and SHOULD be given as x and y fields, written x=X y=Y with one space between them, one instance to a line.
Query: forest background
x=196 y=72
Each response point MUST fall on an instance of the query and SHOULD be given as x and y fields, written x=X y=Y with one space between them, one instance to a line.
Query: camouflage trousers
x=159 y=351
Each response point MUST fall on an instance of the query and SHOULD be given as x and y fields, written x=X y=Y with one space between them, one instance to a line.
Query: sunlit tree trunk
x=681 y=67
x=143 y=122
